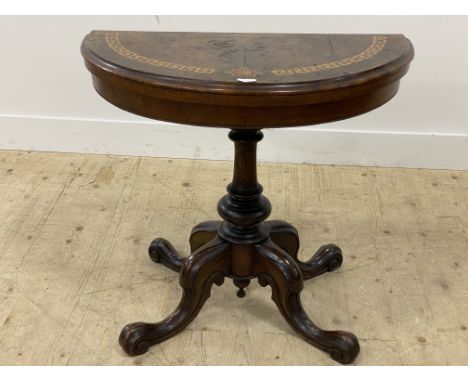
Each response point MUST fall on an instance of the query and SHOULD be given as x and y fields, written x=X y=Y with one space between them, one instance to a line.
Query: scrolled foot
x=133 y=338
x=328 y=258
x=161 y=251
x=345 y=348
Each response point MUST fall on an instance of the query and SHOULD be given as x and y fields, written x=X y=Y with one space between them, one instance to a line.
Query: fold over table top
x=184 y=76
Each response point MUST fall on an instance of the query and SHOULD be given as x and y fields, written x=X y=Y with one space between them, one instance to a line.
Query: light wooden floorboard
x=74 y=231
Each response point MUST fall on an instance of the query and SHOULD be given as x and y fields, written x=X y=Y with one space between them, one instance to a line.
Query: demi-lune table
x=245 y=82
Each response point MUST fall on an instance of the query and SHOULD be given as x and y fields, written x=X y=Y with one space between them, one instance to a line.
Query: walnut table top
x=245 y=80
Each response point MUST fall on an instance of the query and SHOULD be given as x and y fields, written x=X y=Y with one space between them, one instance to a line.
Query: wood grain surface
x=74 y=268
x=269 y=58
x=295 y=79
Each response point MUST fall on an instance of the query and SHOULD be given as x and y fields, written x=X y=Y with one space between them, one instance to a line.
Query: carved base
x=273 y=261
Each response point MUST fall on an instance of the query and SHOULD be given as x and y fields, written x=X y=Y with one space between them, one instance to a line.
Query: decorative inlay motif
x=113 y=42
x=377 y=45
x=242 y=72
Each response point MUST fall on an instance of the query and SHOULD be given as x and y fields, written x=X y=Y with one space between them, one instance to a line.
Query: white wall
x=47 y=101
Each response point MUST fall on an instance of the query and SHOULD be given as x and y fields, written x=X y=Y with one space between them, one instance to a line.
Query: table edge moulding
x=163 y=92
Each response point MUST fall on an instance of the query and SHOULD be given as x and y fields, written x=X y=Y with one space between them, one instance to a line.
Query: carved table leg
x=284 y=235
x=208 y=265
x=161 y=251
x=327 y=259
x=275 y=267
x=202 y=233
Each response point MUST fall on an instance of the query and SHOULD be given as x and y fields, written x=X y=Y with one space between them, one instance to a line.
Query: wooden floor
x=74 y=231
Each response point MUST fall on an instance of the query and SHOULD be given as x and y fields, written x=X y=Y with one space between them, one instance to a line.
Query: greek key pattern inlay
x=113 y=42
x=378 y=43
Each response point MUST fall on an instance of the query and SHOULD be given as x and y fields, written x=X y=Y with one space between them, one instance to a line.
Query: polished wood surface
x=195 y=78
x=246 y=82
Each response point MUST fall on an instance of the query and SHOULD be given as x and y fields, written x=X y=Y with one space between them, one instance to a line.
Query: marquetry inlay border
x=113 y=42
x=378 y=43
